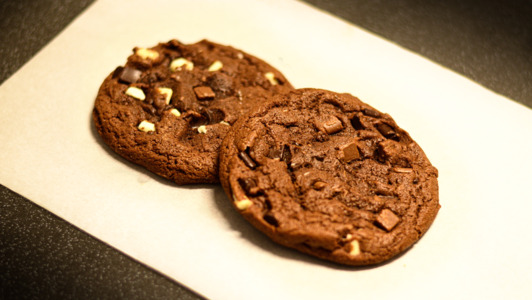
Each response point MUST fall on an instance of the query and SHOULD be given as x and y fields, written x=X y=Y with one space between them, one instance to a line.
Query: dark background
x=42 y=256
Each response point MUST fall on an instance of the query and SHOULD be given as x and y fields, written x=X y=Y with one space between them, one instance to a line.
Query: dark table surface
x=42 y=256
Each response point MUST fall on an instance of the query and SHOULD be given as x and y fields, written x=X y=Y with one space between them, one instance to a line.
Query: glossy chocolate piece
x=248 y=161
x=204 y=93
x=130 y=75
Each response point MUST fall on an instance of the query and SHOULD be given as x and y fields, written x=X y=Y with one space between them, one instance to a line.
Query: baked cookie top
x=170 y=106
x=330 y=176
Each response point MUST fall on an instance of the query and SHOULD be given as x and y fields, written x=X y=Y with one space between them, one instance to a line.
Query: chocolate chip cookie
x=330 y=176
x=170 y=106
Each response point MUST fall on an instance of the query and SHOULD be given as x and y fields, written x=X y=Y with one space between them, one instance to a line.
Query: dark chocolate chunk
x=282 y=154
x=355 y=121
x=249 y=185
x=204 y=93
x=248 y=161
x=130 y=75
x=387 y=131
x=349 y=152
x=387 y=219
x=117 y=72
x=371 y=113
x=271 y=220
x=332 y=125
x=286 y=155
x=220 y=82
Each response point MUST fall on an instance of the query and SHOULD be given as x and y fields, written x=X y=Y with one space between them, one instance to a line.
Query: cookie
x=169 y=107
x=330 y=176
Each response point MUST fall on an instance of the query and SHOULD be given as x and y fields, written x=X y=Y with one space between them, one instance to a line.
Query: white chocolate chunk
x=135 y=93
x=147 y=53
x=217 y=65
x=146 y=126
x=167 y=92
x=175 y=112
x=178 y=63
x=271 y=78
x=225 y=123
x=242 y=204
x=355 y=248
x=202 y=129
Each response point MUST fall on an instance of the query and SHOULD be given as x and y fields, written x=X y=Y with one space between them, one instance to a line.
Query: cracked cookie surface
x=330 y=176
x=169 y=107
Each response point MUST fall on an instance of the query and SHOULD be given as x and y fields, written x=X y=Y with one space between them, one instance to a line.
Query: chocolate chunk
x=271 y=220
x=283 y=154
x=319 y=185
x=117 y=72
x=221 y=82
x=286 y=155
x=130 y=75
x=248 y=161
x=249 y=185
x=371 y=113
x=387 y=131
x=349 y=152
x=355 y=121
x=204 y=93
x=332 y=125
x=387 y=219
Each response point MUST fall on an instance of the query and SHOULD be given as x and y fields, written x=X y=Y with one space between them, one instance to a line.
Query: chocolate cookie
x=170 y=106
x=330 y=176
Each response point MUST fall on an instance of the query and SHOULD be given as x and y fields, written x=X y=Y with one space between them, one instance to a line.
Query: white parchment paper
x=478 y=247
